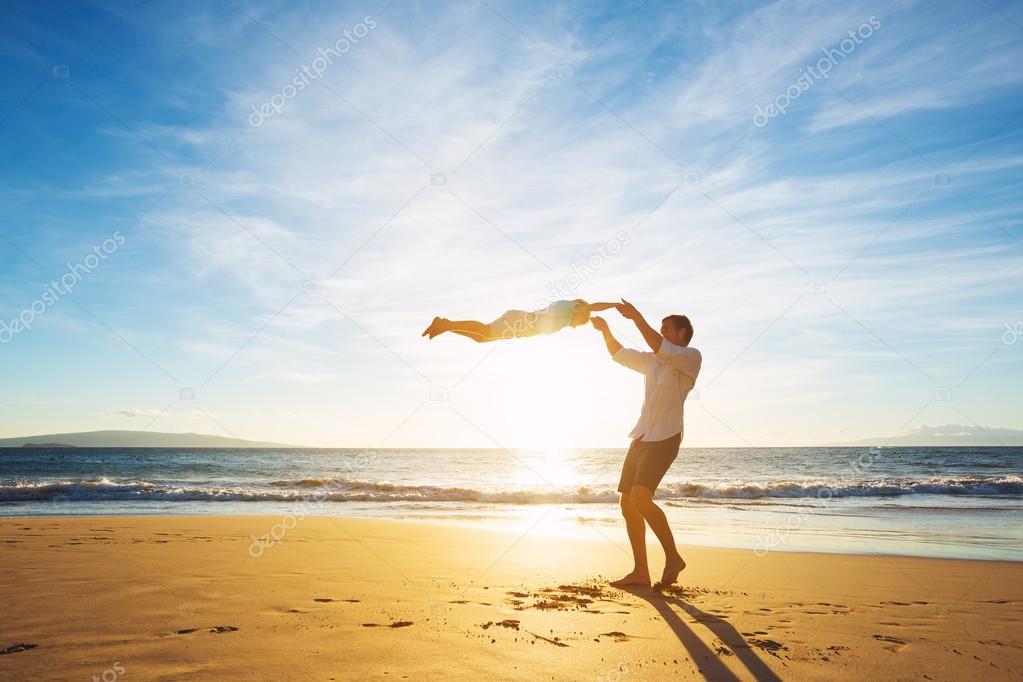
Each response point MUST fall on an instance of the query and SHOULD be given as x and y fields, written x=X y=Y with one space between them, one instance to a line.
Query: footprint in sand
x=565 y=598
x=15 y=648
x=556 y=641
x=769 y=645
x=894 y=643
x=509 y=623
x=216 y=629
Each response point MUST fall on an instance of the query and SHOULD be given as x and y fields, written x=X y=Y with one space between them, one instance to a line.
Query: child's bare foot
x=634 y=578
x=432 y=330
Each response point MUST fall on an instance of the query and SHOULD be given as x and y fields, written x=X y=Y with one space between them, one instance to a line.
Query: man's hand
x=600 y=324
x=628 y=310
x=650 y=335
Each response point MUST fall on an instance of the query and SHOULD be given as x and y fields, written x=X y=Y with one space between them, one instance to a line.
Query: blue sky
x=852 y=265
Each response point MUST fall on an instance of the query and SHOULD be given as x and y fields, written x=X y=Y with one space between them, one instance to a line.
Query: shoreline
x=167 y=597
x=555 y=529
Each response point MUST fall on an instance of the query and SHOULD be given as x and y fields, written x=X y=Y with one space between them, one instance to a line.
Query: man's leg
x=643 y=501
x=636 y=528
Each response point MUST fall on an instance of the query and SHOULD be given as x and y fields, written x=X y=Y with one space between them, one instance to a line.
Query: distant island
x=133 y=439
x=951 y=435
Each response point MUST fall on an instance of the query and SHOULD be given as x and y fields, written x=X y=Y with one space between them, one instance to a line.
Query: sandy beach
x=188 y=597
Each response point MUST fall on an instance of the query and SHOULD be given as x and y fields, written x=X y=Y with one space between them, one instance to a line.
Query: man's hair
x=681 y=322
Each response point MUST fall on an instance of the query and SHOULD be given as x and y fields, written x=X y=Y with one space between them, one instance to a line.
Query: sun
x=548 y=393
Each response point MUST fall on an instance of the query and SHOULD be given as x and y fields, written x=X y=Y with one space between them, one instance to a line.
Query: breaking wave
x=350 y=490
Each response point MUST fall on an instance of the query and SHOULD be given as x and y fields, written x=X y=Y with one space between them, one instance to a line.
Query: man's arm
x=633 y=359
x=600 y=324
x=683 y=358
x=650 y=335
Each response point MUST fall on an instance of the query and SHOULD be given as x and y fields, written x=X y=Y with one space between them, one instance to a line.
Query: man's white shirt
x=670 y=374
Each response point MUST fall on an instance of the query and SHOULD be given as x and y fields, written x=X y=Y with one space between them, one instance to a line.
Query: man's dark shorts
x=647 y=462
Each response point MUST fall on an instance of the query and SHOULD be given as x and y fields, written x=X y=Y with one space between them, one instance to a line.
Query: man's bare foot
x=672 y=568
x=634 y=578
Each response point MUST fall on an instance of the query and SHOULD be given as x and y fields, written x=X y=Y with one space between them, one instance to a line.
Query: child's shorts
x=513 y=324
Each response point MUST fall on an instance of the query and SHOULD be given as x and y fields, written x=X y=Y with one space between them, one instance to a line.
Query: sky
x=236 y=218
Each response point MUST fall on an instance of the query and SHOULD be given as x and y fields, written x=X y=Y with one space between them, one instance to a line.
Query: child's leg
x=477 y=331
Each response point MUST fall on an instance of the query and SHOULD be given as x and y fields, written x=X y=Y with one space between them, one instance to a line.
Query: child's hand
x=599 y=323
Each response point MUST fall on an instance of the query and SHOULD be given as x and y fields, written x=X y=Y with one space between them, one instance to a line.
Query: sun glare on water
x=545 y=467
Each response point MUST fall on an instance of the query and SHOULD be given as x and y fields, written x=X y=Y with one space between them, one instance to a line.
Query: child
x=517 y=323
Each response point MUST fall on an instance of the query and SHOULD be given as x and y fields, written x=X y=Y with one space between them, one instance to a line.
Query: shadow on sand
x=702 y=655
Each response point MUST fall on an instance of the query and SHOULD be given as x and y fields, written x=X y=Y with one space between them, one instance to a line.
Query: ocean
x=943 y=502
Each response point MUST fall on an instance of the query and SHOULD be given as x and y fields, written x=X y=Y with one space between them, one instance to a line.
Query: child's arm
x=598 y=306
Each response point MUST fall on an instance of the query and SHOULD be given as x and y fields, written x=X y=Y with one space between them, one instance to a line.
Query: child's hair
x=577 y=315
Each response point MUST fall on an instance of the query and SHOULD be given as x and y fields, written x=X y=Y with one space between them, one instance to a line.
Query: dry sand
x=182 y=597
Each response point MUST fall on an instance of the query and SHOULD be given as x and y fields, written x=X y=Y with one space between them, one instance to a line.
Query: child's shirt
x=555 y=317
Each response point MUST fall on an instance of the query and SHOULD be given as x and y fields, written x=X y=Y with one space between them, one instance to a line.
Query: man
x=670 y=369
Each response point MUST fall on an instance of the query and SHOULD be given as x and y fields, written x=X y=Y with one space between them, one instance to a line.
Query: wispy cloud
x=459 y=160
